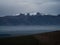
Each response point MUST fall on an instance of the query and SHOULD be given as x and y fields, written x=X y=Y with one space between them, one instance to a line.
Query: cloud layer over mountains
x=11 y=7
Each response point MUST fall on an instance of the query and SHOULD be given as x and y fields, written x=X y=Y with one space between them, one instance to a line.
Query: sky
x=12 y=7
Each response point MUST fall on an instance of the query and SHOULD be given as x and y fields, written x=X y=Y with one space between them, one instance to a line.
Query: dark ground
x=48 y=38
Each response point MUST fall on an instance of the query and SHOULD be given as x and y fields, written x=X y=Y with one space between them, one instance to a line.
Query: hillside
x=28 y=19
x=48 y=38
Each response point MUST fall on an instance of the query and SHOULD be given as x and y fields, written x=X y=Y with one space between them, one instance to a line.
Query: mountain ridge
x=28 y=19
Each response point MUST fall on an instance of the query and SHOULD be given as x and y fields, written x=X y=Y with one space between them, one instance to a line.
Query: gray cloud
x=10 y=7
x=50 y=8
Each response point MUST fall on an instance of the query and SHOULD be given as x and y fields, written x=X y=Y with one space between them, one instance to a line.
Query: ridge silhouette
x=27 y=19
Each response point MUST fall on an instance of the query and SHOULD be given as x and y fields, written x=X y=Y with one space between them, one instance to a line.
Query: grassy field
x=48 y=38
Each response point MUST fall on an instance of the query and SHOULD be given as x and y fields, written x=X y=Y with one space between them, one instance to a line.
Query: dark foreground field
x=48 y=38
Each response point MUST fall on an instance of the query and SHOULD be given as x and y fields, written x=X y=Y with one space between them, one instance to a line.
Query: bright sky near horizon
x=11 y=7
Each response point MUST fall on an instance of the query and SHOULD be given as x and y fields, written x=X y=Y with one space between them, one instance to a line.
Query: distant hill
x=28 y=19
x=4 y=35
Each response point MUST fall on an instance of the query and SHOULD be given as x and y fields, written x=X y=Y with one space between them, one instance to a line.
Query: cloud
x=50 y=8
x=10 y=7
